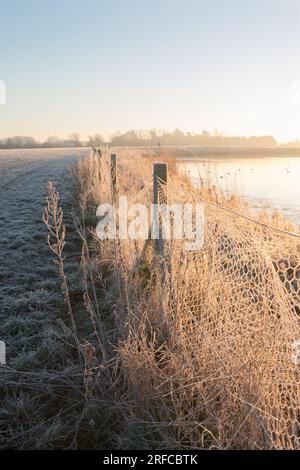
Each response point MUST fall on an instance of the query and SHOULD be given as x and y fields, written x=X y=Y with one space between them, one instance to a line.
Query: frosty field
x=24 y=271
x=28 y=294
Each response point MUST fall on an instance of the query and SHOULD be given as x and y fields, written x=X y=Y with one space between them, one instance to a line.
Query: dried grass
x=203 y=354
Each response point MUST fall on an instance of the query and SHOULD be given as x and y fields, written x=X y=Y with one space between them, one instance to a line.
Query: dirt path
x=29 y=290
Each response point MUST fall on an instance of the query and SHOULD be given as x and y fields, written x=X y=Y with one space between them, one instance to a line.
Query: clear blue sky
x=99 y=66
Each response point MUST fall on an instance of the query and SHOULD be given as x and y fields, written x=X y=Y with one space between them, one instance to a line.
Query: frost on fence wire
x=242 y=291
x=232 y=312
x=2 y=92
x=239 y=302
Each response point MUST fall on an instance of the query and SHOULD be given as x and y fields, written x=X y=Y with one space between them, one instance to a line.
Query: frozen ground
x=29 y=297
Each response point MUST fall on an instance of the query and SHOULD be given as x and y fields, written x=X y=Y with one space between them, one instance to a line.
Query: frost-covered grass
x=35 y=384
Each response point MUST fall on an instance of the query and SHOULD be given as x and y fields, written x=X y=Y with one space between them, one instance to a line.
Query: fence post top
x=160 y=164
x=160 y=171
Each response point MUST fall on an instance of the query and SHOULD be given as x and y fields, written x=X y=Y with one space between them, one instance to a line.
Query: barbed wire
x=232 y=211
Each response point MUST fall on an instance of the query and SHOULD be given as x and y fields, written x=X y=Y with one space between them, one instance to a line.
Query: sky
x=92 y=66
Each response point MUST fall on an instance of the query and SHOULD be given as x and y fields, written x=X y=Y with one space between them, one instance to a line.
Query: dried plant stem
x=53 y=219
x=88 y=279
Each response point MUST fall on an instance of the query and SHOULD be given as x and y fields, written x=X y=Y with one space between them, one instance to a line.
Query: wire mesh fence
x=238 y=299
x=211 y=335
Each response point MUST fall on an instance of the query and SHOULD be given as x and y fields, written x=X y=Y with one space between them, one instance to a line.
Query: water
x=266 y=182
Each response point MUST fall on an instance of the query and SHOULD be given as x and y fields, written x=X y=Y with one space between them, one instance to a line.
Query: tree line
x=180 y=138
x=146 y=138
x=51 y=142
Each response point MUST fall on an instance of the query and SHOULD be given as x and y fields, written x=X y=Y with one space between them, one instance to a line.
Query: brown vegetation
x=199 y=345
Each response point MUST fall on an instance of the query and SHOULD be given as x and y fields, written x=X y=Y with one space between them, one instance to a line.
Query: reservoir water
x=265 y=182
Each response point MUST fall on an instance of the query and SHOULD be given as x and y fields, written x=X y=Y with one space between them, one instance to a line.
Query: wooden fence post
x=113 y=170
x=98 y=152
x=160 y=177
